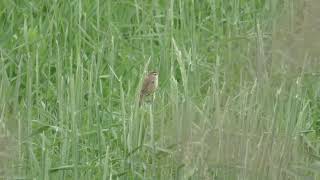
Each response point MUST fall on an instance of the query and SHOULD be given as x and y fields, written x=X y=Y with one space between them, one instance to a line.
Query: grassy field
x=239 y=94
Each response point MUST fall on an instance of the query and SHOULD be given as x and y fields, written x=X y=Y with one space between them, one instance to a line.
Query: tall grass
x=238 y=96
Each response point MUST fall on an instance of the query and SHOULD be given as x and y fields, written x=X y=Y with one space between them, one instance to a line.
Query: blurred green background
x=238 y=97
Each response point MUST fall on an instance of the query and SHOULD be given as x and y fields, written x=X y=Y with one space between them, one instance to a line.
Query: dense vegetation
x=238 y=97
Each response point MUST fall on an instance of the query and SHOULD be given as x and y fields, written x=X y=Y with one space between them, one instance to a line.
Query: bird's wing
x=145 y=85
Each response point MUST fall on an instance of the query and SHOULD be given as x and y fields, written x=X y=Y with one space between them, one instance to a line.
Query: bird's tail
x=140 y=99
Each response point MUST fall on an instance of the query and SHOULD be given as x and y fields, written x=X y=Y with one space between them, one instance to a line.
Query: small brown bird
x=150 y=85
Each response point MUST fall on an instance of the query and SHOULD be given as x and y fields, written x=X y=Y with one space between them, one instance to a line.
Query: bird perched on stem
x=149 y=86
